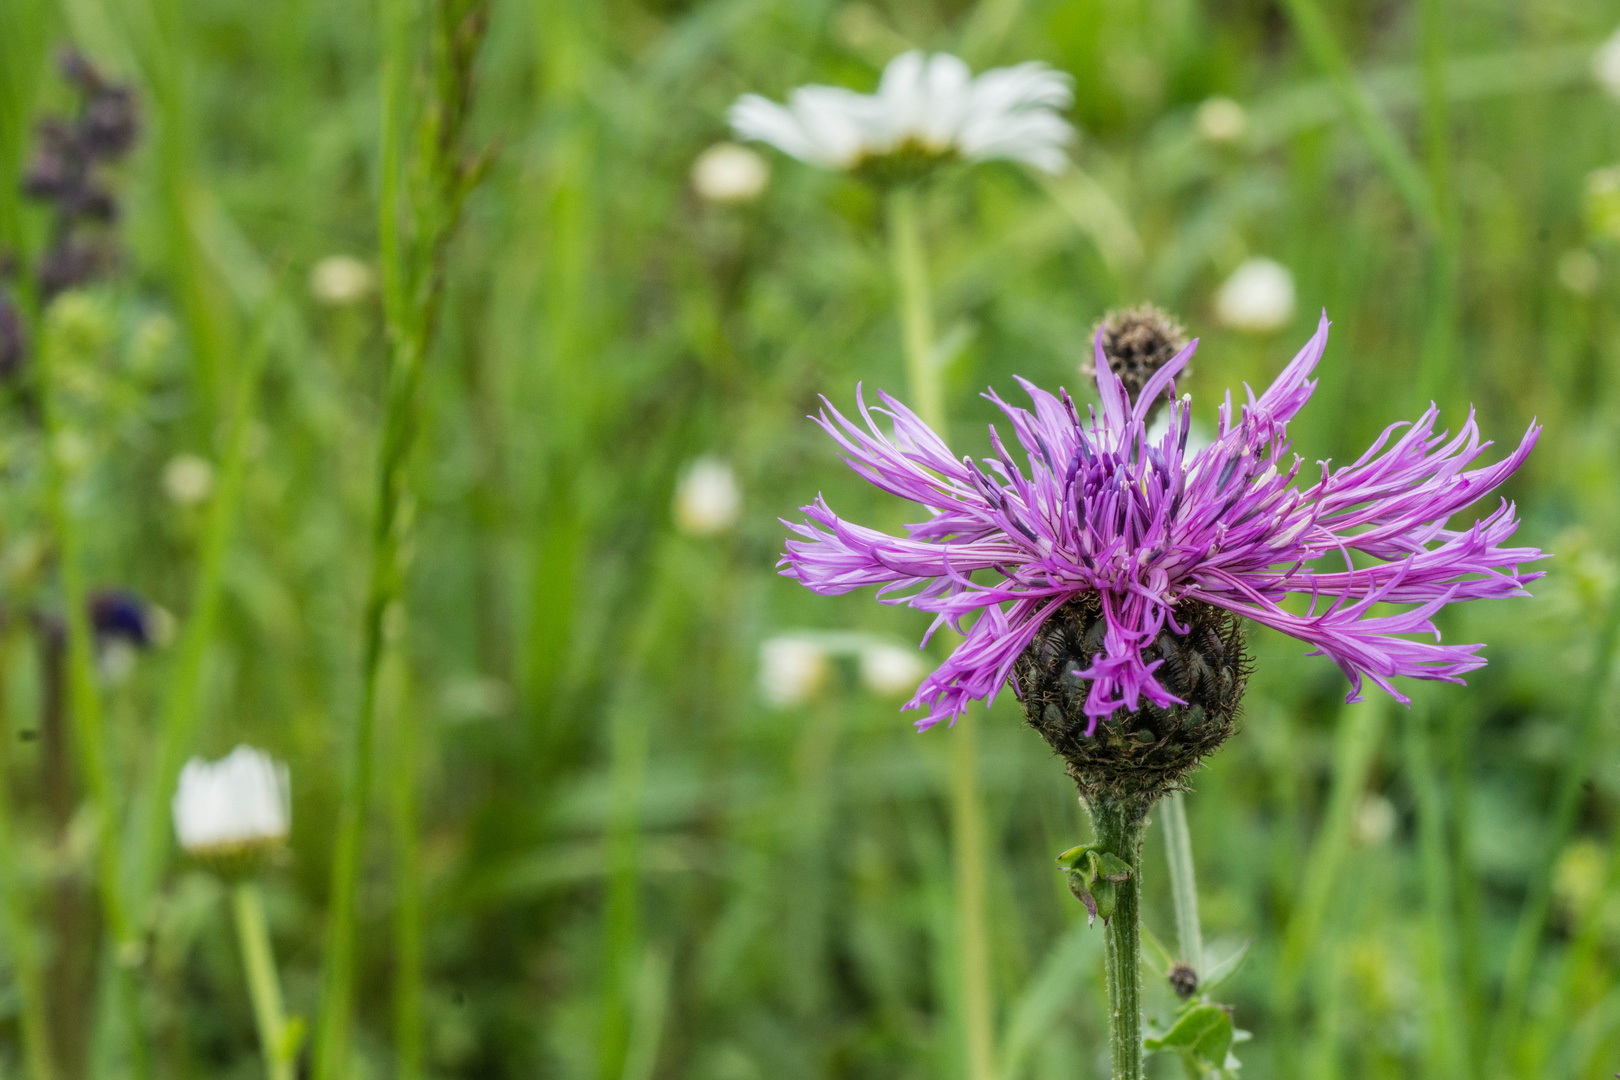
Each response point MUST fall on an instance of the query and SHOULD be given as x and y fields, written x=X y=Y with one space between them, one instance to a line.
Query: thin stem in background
x=1183 y=881
x=1566 y=802
x=84 y=706
x=402 y=803
x=264 y=987
x=1434 y=374
x=1447 y=1040
x=148 y=841
x=1119 y=828
x=22 y=945
x=1379 y=134
x=1361 y=729
x=967 y=814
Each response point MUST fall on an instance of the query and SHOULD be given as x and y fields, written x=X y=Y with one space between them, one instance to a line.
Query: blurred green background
x=634 y=859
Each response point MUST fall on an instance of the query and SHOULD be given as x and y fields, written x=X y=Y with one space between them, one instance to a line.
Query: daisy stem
x=967 y=815
x=1183 y=883
x=1119 y=828
x=916 y=311
x=264 y=987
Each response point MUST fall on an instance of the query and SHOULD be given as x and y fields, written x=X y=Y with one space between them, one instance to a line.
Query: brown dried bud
x=1183 y=980
x=1137 y=341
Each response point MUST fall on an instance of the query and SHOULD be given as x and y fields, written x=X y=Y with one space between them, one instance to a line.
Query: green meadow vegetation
x=378 y=410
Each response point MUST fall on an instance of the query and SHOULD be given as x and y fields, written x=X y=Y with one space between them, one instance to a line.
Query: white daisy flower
x=240 y=803
x=1258 y=297
x=926 y=109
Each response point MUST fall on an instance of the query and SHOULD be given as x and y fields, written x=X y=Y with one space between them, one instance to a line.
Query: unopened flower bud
x=889 y=670
x=1221 y=120
x=188 y=479
x=340 y=279
x=1183 y=980
x=728 y=173
x=1138 y=341
x=791 y=671
x=707 y=500
x=1258 y=297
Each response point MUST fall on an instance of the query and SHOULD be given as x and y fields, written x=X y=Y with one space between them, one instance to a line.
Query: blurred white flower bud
x=706 y=497
x=791 y=671
x=240 y=802
x=1579 y=272
x=1375 y=820
x=188 y=479
x=1221 y=120
x=890 y=670
x=728 y=173
x=1606 y=64
x=340 y=279
x=1258 y=297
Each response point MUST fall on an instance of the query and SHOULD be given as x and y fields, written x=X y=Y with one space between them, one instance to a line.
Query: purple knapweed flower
x=1104 y=510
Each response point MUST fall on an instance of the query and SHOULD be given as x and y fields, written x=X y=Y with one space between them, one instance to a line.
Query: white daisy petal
x=931 y=102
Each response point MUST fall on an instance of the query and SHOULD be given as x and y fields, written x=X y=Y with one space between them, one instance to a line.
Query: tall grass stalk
x=85 y=714
x=409 y=1047
x=419 y=206
x=147 y=842
x=1448 y=1050
x=1361 y=729
x=910 y=267
x=1381 y=137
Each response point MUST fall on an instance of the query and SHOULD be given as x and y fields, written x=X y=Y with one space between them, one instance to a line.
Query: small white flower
x=728 y=173
x=791 y=670
x=240 y=801
x=340 y=279
x=890 y=670
x=1606 y=64
x=1579 y=271
x=706 y=497
x=1258 y=297
x=188 y=479
x=924 y=104
x=1221 y=120
x=1375 y=820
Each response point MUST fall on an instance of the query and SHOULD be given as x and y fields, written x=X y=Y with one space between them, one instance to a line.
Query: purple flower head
x=1097 y=507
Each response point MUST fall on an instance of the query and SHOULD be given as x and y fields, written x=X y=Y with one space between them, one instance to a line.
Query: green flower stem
x=84 y=706
x=967 y=813
x=265 y=988
x=916 y=311
x=1183 y=883
x=1119 y=828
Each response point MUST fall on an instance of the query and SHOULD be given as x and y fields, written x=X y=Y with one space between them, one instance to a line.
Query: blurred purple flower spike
x=1144 y=526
